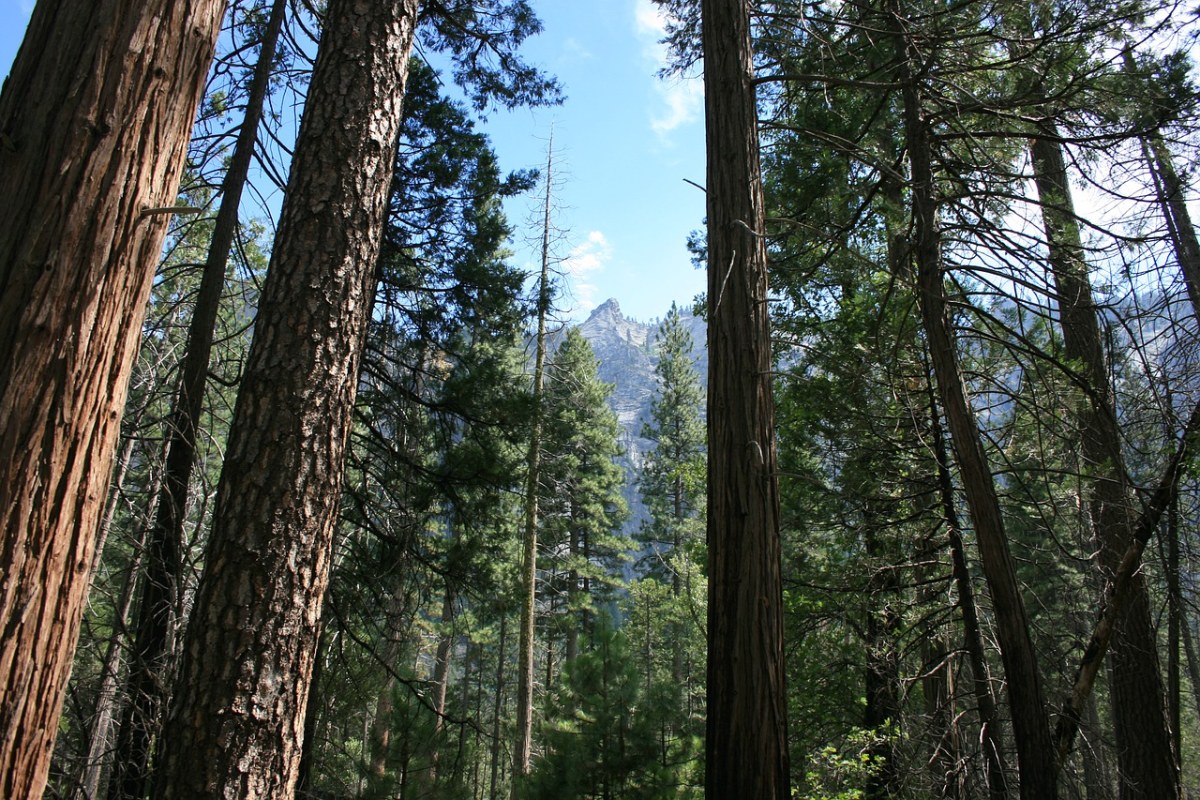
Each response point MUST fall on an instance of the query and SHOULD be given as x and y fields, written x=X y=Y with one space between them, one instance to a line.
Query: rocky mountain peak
x=625 y=349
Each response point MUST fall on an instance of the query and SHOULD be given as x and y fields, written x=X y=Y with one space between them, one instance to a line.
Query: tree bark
x=1031 y=725
x=747 y=744
x=498 y=707
x=523 y=749
x=1144 y=755
x=150 y=658
x=237 y=721
x=94 y=122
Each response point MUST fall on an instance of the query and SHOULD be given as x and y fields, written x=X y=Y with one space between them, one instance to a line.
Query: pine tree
x=671 y=481
x=253 y=631
x=582 y=506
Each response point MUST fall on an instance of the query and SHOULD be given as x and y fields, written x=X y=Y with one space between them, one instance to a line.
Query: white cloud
x=585 y=260
x=680 y=98
x=574 y=51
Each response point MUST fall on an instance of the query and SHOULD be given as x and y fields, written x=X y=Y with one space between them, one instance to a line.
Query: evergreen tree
x=581 y=505
x=672 y=479
x=602 y=731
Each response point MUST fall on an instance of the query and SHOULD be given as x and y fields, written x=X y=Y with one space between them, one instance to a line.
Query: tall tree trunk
x=94 y=122
x=379 y=740
x=747 y=744
x=523 y=747
x=882 y=679
x=1031 y=726
x=1145 y=762
x=237 y=721
x=151 y=658
x=1118 y=590
x=939 y=688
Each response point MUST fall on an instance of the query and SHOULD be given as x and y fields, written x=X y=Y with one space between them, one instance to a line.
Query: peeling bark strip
x=746 y=744
x=94 y=118
x=236 y=725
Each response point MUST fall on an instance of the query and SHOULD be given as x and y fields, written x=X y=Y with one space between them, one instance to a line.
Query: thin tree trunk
x=237 y=720
x=151 y=657
x=990 y=736
x=1193 y=664
x=747 y=743
x=1031 y=726
x=882 y=679
x=312 y=718
x=939 y=688
x=94 y=122
x=498 y=708
x=379 y=740
x=1145 y=762
x=108 y=696
x=1174 y=615
x=441 y=684
x=523 y=748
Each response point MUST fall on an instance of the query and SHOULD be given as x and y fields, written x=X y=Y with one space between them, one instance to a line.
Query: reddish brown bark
x=236 y=724
x=746 y=744
x=94 y=122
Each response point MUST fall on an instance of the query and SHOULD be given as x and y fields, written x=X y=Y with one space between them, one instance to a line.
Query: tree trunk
x=312 y=719
x=441 y=684
x=881 y=684
x=94 y=121
x=1173 y=204
x=151 y=659
x=108 y=697
x=985 y=704
x=747 y=744
x=523 y=749
x=1145 y=762
x=236 y=724
x=1031 y=726
x=498 y=708
x=395 y=638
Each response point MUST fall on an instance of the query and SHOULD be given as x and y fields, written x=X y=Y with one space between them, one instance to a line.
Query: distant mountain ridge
x=626 y=350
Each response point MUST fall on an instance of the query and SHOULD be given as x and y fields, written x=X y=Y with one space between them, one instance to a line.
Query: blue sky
x=625 y=140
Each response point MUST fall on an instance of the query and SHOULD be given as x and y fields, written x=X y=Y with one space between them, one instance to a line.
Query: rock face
x=626 y=351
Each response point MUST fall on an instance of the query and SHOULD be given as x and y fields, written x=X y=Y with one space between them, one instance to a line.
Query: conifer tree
x=582 y=506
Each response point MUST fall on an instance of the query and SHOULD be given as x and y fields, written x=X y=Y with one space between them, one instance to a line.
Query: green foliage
x=604 y=731
x=672 y=480
x=582 y=508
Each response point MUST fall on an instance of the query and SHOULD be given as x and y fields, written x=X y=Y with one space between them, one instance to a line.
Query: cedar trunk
x=94 y=122
x=746 y=745
x=237 y=720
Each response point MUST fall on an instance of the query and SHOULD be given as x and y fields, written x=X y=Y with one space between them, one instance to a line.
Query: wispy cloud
x=574 y=50
x=580 y=266
x=680 y=98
